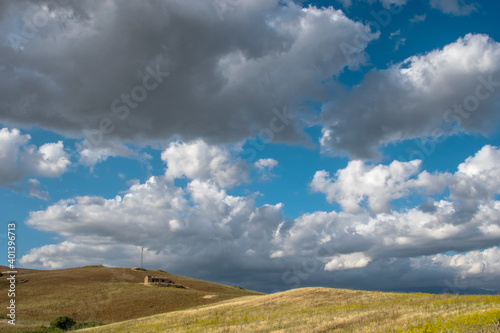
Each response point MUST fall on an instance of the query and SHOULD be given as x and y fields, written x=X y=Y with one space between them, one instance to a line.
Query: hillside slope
x=104 y=294
x=328 y=310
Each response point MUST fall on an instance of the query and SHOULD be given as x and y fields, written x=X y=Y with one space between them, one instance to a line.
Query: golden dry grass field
x=102 y=294
x=328 y=310
x=117 y=297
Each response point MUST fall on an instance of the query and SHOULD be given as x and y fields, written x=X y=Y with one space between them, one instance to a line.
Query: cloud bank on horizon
x=200 y=225
x=183 y=127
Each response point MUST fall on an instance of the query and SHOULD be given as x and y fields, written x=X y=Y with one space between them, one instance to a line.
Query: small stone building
x=156 y=280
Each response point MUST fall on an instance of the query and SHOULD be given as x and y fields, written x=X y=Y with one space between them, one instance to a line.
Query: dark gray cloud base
x=163 y=69
x=159 y=70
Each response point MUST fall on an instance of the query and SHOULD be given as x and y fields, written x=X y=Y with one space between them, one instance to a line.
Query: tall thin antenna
x=142 y=255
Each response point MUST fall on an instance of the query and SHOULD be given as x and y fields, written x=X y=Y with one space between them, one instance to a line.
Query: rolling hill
x=328 y=310
x=118 y=298
x=98 y=293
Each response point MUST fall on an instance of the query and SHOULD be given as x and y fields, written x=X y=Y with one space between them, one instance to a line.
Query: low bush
x=63 y=322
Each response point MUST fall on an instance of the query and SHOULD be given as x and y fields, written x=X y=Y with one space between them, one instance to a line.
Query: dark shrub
x=63 y=322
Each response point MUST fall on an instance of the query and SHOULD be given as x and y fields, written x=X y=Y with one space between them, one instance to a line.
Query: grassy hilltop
x=328 y=310
x=97 y=293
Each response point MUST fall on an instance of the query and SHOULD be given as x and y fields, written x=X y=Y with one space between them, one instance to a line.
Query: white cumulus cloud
x=379 y=184
x=19 y=158
x=348 y=261
x=265 y=167
x=198 y=160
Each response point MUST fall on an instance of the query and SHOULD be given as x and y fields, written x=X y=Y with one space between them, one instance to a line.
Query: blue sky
x=269 y=144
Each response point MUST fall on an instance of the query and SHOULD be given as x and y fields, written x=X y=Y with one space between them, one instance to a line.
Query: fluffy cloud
x=224 y=237
x=265 y=167
x=18 y=158
x=185 y=229
x=472 y=263
x=266 y=163
x=347 y=261
x=476 y=179
x=50 y=159
x=444 y=91
x=185 y=71
x=358 y=181
x=479 y=176
x=201 y=161
x=341 y=241
x=468 y=220
x=454 y=7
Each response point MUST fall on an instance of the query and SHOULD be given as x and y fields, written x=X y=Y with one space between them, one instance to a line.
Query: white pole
x=142 y=255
